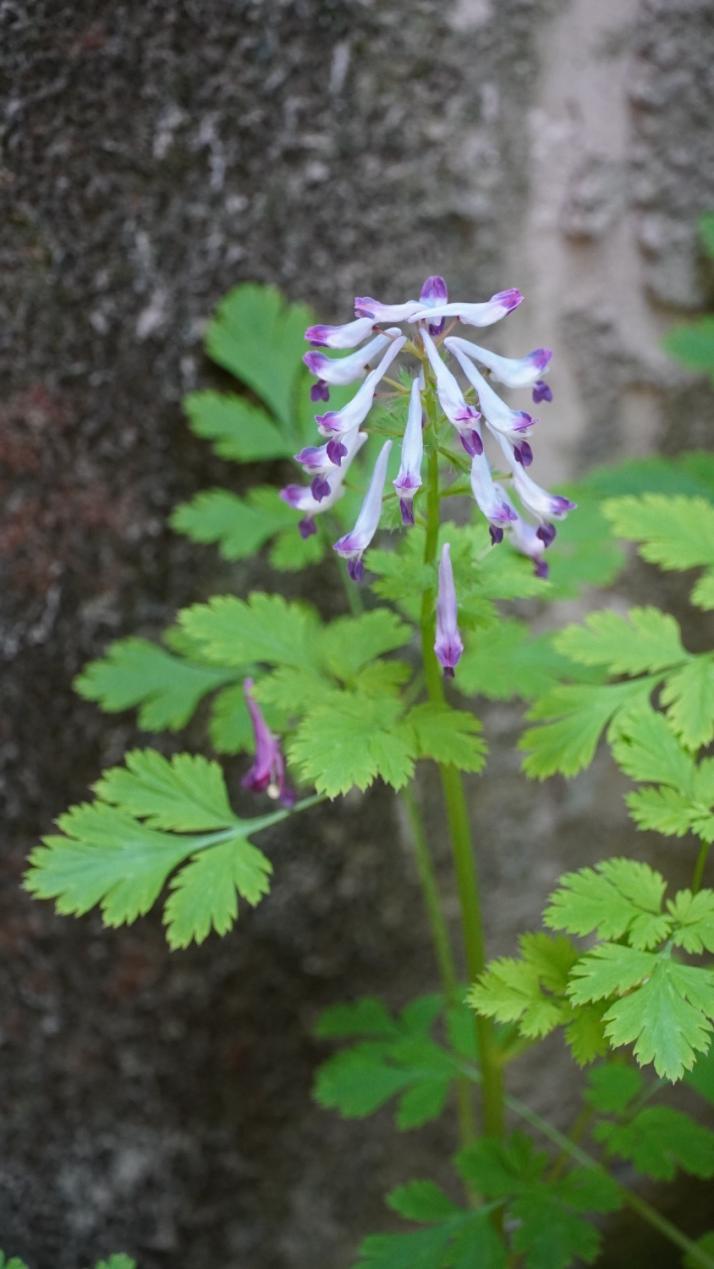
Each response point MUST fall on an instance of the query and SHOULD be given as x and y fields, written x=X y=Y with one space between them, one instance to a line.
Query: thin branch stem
x=700 y=865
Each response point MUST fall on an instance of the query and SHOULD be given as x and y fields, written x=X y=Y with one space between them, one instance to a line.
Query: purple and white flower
x=352 y=415
x=499 y=305
x=366 y=307
x=409 y=477
x=267 y=774
x=342 y=370
x=448 y=645
x=500 y=418
x=543 y=505
x=305 y=498
x=433 y=292
x=526 y=539
x=353 y=545
x=493 y=501
x=451 y=399
x=513 y=372
x=542 y=391
x=348 y=335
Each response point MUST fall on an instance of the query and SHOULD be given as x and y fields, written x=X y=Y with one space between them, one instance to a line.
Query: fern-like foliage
x=156 y=821
x=646 y=994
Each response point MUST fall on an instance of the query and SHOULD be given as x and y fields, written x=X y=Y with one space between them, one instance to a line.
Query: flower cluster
x=474 y=411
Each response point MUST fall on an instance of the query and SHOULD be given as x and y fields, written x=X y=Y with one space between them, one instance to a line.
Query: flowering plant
x=327 y=705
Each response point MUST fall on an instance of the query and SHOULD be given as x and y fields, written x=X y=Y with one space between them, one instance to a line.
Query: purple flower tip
x=320 y=488
x=522 y=420
x=523 y=454
x=496 y=534
x=510 y=299
x=307 y=527
x=560 y=505
x=316 y=336
x=542 y=391
x=336 y=452
x=540 y=568
x=355 y=568
x=320 y=391
x=364 y=306
x=448 y=671
x=292 y=494
x=326 y=421
x=471 y=442
x=434 y=290
x=406 y=506
x=546 y=533
x=540 y=357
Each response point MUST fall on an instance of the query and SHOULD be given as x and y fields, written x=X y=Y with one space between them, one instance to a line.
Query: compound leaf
x=236 y=428
x=204 y=893
x=619 y=897
x=351 y=741
x=569 y=723
x=659 y=1141
x=674 y=532
x=186 y=792
x=643 y=640
x=448 y=736
x=263 y=628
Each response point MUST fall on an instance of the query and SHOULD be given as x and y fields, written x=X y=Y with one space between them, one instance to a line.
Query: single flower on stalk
x=473 y=409
x=267 y=774
x=448 y=645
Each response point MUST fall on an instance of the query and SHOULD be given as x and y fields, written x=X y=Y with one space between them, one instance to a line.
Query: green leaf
x=693 y=918
x=422 y=1250
x=204 y=894
x=117 y=1262
x=350 y=742
x=260 y=339
x=166 y=688
x=289 y=552
x=706 y=232
x=612 y=1086
x=692 y=343
x=619 y=897
x=366 y=1017
x=701 y=1077
x=529 y=991
x=659 y=1142
x=642 y=641
x=674 y=532
x=508 y=662
x=688 y=695
x=706 y=1245
x=661 y=810
x=238 y=429
x=570 y=721
x=186 y=792
x=14 y=1263
x=349 y=643
x=265 y=628
x=238 y=526
x=448 y=736
x=646 y=749
x=667 y=1013
x=422 y=1201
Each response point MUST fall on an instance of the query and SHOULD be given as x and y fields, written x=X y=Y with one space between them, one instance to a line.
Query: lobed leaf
x=264 y=628
x=620 y=897
x=448 y=736
x=570 y=721
x=659 y=1142
x=186 y=792
x=643 y=640
x=237 y=428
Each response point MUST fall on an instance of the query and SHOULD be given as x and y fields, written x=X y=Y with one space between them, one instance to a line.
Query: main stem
x=492 y=1103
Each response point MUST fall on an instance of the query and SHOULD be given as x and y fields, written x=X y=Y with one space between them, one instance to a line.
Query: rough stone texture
x=154 y=155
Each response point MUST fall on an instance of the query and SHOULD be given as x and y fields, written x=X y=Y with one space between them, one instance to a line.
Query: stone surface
x=154 y=155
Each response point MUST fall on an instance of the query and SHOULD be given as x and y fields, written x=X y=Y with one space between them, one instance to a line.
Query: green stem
x=700 y=865
x=442 y=945
x=459 y=829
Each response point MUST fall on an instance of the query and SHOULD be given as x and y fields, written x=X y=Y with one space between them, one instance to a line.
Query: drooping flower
x=448 y=645
x=342 y=370
x=542 y=391
x=304 y=498
x=499 y=305
x=267 y=774
x=409 y=477
x=366 y=307
x=515 y=424
x=513 y=372
x=526 y=539
x=492 y=500
x=451 y=399
x=352 y=415
x=348 y=335
x=543 y=505
x=353 y=545
x=434 y=291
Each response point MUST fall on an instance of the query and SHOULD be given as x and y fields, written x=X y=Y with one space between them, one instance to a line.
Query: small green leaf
x=204 y=893
x=422 y=1250
x=448 y=735
x=265 y=628
x=260 y=339
x=619 y=897
x=186 y=792
x=612 y=1086
x=350 y=742
x=692 y=343
x=688 y=695
x=349 y=643
x=238 y=429
x=166 y=688
x=368 y=1017
x=238 y=526
x=508 y=662
x=674 y=532
x=644 y=640
x=117 y=1262
x=422 y=1201
x=659 y=1142
x=15 y=1263
x=569 y=722
x=693 y=918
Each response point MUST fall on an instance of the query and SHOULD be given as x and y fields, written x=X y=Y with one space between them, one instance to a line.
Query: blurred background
x=154 y=155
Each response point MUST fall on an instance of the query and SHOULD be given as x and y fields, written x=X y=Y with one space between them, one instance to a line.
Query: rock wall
x=154 y=155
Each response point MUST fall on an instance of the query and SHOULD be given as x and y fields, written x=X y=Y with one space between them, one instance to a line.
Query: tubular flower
x=527 y=520
x=409 y=477
x=267 y=774
x=353 y=545
x=449 y=644
x=310 y=501
x=338 y=422
x=451 y=399
x=346 y=369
